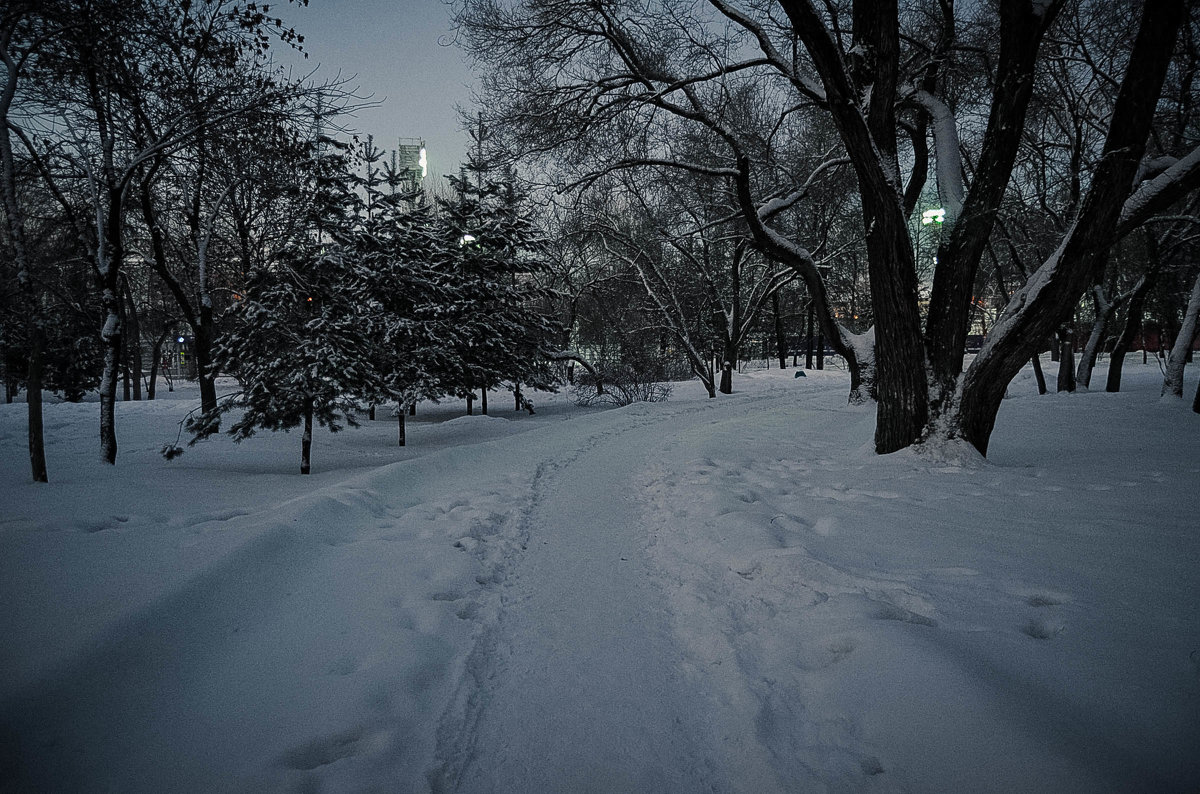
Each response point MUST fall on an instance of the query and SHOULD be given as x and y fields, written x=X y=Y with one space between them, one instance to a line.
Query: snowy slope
x=724 y=595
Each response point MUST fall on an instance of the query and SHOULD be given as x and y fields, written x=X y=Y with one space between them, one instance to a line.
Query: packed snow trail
x=582 y=683
x=729 y=595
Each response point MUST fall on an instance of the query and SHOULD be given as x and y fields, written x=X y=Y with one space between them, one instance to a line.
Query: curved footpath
x=582 y=689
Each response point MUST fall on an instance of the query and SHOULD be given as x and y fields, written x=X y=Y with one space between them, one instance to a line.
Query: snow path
x=728 y=595
x=581 y=687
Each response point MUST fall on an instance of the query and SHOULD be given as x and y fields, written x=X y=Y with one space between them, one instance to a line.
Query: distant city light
x=937 y=215
x=180 y=339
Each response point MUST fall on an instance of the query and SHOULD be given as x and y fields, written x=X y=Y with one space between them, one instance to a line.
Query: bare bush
x=623 y=384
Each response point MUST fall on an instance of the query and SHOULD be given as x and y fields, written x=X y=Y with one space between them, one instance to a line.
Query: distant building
x=410 y=160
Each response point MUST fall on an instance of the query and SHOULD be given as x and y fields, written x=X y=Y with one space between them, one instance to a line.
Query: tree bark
x=808 y=342
x=133 y=342
x=1053 y=290
x=1104 y=310
x=965 y=237
x=729 y=357
x=1066 y=359
x=112 y=252
x=1038 y=375
x=306 y=439
x=400 y=440
x=780 y=337
x=1133 y=322
x=205 y=334
x=37 y=445
x=16 y=231
x=901 y=384
x=1173 y=376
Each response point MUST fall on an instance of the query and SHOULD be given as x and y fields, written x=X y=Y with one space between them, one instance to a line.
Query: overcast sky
x=402 y=52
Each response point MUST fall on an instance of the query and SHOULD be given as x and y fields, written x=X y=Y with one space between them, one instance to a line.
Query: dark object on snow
x=799 y=374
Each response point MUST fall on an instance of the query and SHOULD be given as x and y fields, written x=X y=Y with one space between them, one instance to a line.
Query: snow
x=1148 y=191
x=949 y=162
x=725 y=595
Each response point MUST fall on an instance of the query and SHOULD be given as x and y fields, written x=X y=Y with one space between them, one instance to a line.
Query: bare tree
x=13 y=55
x=124 y=85
x=624 y=79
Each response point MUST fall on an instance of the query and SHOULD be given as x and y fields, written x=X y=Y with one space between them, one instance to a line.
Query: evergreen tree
x=492 y=251
x=299 y=342
x=413 y=336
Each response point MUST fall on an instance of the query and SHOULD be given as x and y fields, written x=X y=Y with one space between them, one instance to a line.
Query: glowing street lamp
x=937 y=215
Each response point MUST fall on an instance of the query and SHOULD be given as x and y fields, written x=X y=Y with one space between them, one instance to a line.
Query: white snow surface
x=729 y=595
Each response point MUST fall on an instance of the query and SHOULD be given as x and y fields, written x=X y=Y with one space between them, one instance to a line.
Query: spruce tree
x=299 y=342
x=493 y=251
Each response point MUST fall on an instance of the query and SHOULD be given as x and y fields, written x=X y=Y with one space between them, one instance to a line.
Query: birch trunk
x=1173 y=378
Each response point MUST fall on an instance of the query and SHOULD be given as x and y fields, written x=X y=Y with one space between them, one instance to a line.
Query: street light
x=936 y=215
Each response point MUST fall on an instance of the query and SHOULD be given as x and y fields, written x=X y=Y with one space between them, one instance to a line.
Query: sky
x=402 y=53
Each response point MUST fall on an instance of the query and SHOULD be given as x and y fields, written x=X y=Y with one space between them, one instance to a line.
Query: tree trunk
x=1038 y=375
x=1103 y=309
x=483 y=401
x=1196 y=400
x=202 y=352
x=1133 y=323
x=1021 y=28
x=133 y=342
x=16 y=229
x=306 y=439
x=1052 y=292
x=808 y=341
x=110 y=335
x=33 y=396
x=780 y=337
x=1173 y=377
x=125 y=390
x=400 y=439
x=1066 y=359
x=729 y=357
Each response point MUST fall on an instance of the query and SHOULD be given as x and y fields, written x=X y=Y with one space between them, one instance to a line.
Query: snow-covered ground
x=698 y=595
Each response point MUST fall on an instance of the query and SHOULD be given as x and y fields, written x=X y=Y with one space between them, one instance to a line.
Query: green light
x=937 y=215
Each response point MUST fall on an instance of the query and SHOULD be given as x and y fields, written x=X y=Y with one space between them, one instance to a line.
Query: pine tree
x=299 y=342
x=413 y=336
x=493 y=251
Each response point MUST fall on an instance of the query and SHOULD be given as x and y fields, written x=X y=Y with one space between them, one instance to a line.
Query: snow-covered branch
x=640 y=162
x=949 y=162
x=1155 y=194
x=777 y=205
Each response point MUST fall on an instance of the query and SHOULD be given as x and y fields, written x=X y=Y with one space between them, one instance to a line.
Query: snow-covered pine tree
x=492 y=251
x=299 y=342
x=413 y=335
